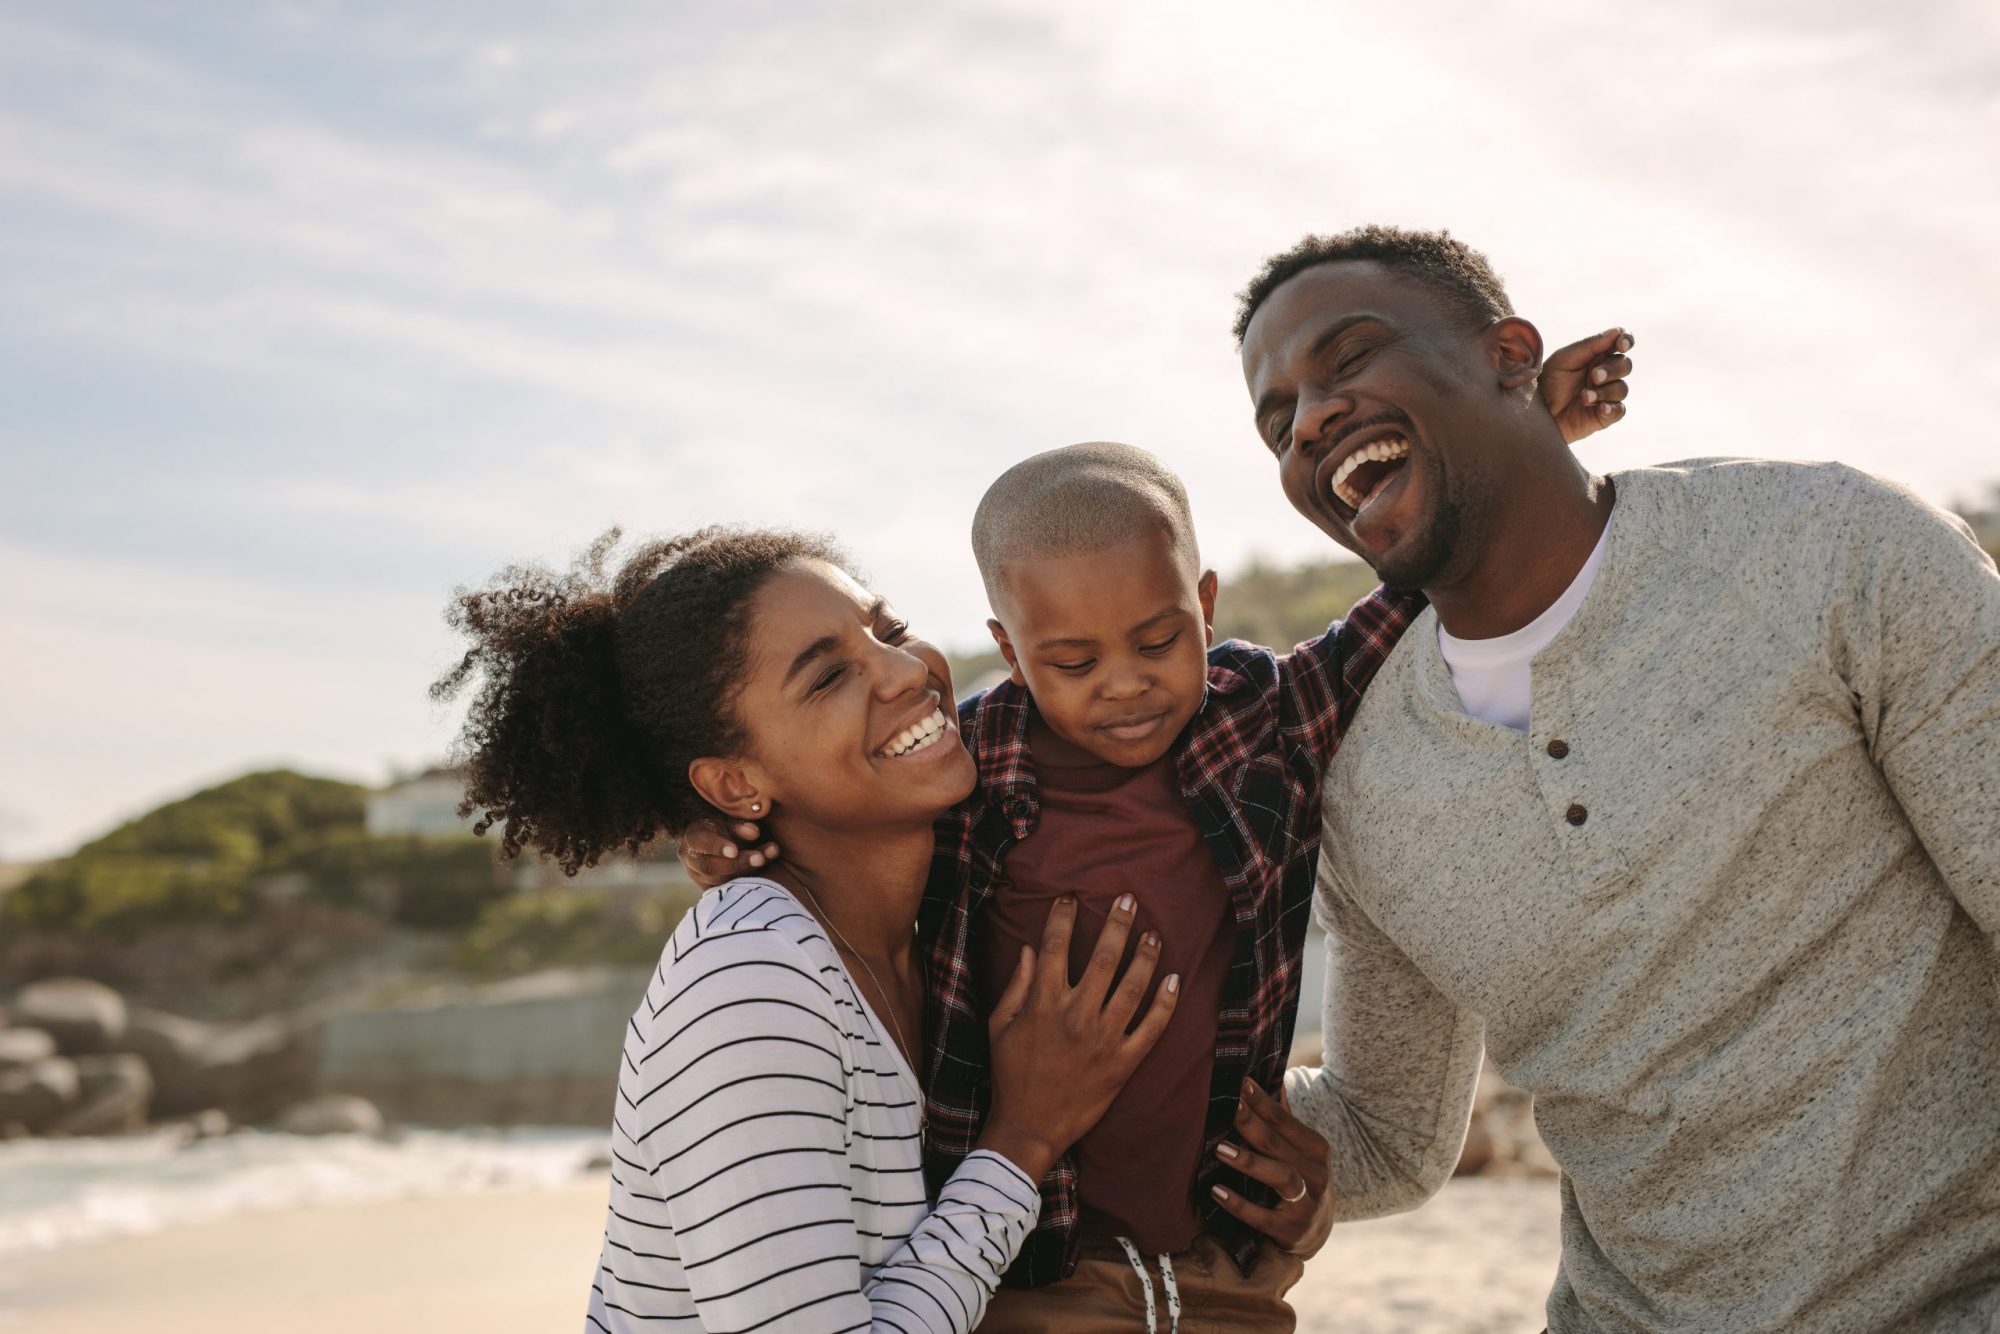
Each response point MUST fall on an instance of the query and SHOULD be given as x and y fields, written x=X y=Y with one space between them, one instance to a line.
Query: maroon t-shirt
x=1106 y=831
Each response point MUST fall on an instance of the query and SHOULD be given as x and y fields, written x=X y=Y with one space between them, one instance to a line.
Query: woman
x=768 y=1126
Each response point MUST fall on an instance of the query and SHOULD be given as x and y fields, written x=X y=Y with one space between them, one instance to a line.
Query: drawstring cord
x=1146 y=1286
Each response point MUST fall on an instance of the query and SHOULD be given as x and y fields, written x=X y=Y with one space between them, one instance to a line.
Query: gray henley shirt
x=1728 y=910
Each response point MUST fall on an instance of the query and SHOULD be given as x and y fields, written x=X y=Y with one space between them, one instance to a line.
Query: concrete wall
x=539 y=1050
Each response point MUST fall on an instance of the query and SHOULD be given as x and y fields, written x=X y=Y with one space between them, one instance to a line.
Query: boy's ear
x=729 y=787
x=1514 y=349
x=1206 y=590
x=999 y=633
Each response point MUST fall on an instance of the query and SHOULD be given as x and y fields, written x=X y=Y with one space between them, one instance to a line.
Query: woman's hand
x=1062 y=1053
x=711 y=854
x=1584 y=384
x=1288 y=1156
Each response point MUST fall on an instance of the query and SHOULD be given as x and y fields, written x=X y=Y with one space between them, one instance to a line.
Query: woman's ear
x=729 y=787
x=1514 y=349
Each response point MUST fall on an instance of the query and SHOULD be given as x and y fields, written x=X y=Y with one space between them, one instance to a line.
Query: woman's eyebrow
x=819 y=648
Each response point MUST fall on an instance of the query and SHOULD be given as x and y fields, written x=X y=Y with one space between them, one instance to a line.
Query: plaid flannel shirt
x=1250 y=764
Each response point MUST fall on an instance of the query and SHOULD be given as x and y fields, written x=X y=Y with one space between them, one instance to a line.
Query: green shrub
x=438 y=883
x=568 y=927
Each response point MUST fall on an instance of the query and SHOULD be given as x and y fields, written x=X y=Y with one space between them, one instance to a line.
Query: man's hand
x=1584 y=384
x=1288 y=1156
x=710 y=854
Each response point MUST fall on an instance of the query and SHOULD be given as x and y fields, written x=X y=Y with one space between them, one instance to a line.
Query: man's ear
x=999 y=633
x=730 y=787
x=1514 y=350
x=1206 y=590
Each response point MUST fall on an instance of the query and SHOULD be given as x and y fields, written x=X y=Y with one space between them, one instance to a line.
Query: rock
x=84 y=1017
x=332 y=1114
x=1477 y=1154
x=209 y=1123
x=172 y=1048
x=37 y=1094
x=115 y=1094
x=248 y=1071
x=24 y=1046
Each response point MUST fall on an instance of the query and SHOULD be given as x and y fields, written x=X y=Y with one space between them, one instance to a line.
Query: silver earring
x=756 y=806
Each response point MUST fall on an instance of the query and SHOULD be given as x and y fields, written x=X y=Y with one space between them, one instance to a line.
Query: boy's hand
x=1288 y=1156
x=1584 y=384
x=710 y=854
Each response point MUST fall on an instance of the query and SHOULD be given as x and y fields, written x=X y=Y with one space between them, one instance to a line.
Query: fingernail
x=729 y=849
x=1219 y=1193
x=1624 y=343
x=1599 y=376
x=1590 y=395
x=1173 y=984
x=1124 y=903
x=756 y=859
x=1227 y=1151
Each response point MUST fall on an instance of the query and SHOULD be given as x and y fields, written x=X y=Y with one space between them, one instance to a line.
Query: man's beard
x=1439 y=538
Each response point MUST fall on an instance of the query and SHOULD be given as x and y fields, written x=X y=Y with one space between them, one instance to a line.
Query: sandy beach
x=1478 y=1258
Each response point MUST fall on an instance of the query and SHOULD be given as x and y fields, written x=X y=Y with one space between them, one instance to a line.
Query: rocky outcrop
x=114 y=1096
x=250 y=1071
x=85 y=1018
x=34 y=1095
x=81 y=1063
x=24 y=1046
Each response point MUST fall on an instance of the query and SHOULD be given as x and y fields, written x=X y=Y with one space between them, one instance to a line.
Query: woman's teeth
x=1382 y=451
x=917 y=736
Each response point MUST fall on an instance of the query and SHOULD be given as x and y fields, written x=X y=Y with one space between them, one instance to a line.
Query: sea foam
x=61 y=1192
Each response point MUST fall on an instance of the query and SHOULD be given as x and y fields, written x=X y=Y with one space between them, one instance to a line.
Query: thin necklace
x=888 y=1005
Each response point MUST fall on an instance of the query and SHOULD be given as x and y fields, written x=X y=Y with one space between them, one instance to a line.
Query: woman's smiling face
x=849 y=717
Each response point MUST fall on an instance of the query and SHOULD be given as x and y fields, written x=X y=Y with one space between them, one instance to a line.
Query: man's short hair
x=1076 y=500
x=1449 y=267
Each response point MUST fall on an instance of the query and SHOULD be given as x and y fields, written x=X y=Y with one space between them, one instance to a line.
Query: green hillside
x=192 y=858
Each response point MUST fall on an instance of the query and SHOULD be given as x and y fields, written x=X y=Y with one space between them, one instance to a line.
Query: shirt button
x=1558 y=749
x=1576 y=814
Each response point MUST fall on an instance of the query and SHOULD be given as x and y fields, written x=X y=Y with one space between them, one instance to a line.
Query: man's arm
x=1394 y=1095
x=1915 y=615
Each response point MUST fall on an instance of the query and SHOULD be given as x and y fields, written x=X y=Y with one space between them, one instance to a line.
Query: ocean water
x=61 y=1192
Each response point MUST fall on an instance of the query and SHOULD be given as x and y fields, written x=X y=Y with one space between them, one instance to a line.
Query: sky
x=310 y=312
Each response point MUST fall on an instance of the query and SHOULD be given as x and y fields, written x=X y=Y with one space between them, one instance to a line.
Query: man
x=1684 y=797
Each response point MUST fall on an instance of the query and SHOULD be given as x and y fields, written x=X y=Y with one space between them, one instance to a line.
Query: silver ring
x=1294 y=1199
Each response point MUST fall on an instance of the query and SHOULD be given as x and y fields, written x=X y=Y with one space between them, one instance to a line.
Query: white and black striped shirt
x=767 y=1166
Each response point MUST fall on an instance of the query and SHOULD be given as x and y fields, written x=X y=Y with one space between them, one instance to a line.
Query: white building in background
x=425 y=806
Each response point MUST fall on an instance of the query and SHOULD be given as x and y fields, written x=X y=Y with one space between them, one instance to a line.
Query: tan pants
x=1105 y=1295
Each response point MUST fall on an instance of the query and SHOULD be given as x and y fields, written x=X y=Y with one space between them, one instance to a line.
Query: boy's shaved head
x=1076 y=500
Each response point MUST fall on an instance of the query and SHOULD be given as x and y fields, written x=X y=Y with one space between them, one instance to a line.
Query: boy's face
x=1113 y=645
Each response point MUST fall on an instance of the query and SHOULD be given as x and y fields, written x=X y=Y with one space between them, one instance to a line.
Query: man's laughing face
x=1370 y=391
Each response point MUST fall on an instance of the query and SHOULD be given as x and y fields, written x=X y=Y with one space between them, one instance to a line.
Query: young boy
x=1126 y=756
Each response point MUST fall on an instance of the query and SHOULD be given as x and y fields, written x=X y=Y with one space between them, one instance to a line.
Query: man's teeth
x=917 y=736
x=1382 y=451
